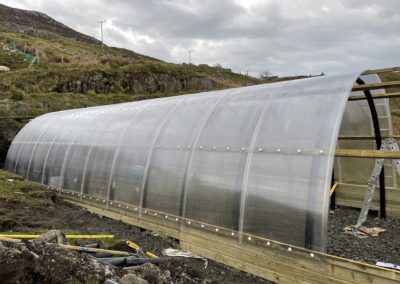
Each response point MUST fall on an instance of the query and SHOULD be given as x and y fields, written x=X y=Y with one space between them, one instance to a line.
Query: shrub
x=17 y=95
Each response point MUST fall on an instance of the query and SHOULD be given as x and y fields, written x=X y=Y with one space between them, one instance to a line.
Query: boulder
x=4 y=69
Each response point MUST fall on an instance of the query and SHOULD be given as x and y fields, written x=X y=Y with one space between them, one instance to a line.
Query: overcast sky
x=284 y=37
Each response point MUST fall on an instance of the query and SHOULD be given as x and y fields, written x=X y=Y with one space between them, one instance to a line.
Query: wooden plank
x=10 y=240
x=96 y=250
x=297 y=261
x=265 y=273
x=353 y=153
x=383 y=70
x=366 y=137
x=352 y=195
x=376 y=96
x=376 y=86
x=274 y=261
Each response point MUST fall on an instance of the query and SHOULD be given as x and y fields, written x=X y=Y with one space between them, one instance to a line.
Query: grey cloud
x=282 y=36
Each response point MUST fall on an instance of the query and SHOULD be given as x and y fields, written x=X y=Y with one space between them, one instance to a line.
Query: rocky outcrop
x=134 y=83
x=98 y=83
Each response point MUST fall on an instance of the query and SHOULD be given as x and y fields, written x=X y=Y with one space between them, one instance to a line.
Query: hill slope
x=38 y=24
x=83 y=74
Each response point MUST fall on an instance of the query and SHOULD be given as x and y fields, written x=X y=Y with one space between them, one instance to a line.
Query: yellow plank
x=25 y=236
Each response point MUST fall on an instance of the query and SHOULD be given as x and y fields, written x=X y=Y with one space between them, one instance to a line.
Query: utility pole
x=189 y=52
x=101 y=28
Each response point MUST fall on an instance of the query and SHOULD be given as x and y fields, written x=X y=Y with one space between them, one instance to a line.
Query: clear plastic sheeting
x=255 y=159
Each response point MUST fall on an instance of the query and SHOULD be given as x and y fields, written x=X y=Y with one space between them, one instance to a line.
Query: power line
x=101 y=28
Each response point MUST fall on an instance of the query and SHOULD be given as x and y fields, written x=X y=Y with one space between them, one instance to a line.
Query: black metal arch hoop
x=378 y=140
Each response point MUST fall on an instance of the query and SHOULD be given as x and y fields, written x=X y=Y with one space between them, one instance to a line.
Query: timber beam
x=376 y=86
x=375 y=154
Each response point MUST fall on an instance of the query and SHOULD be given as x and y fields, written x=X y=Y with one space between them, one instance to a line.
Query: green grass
x=24 y=192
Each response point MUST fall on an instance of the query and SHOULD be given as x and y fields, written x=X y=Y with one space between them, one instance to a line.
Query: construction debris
x=364 y=231
x=139 y=250
x=388 y=265
x=182 y=253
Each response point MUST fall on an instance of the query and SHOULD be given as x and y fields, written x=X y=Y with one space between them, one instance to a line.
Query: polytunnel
x=256 y=159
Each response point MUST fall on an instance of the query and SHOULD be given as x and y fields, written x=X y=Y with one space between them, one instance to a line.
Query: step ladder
x=389 y=144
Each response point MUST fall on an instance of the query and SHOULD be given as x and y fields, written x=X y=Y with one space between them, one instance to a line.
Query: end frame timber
x=374 y=154
x=376 y=86
x=366 y=137
x=269 y=259
x=376 y=96
x=383 y=70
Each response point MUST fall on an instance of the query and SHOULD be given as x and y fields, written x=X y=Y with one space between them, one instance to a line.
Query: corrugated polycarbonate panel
x=168 y=167
x=255 y=159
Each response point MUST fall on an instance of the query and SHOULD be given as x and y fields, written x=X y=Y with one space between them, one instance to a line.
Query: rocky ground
x=30 y=208
x=385 y=247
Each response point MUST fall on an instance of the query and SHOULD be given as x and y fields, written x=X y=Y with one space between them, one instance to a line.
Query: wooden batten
x=376 y=96
x=383 y=70
x=352 y=195
x=376 y=86
x=366 y=137
x=353 y=153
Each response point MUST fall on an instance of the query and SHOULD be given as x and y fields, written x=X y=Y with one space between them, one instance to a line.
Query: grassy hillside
x=74 y=74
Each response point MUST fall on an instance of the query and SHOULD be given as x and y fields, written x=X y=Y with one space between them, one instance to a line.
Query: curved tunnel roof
x=255 y=159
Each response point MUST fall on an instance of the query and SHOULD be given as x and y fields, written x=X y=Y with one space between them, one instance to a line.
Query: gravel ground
x=385 y=247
